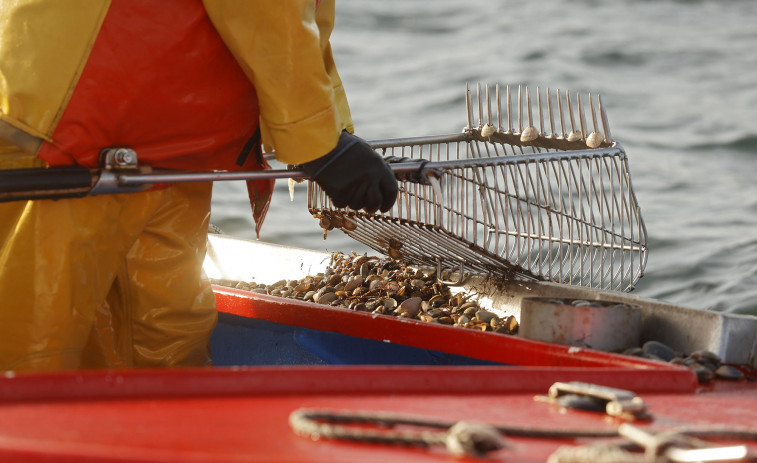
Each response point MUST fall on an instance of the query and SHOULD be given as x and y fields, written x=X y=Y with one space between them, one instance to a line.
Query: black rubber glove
x=354 y=175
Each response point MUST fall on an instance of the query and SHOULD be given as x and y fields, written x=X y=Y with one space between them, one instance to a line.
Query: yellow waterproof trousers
x=106 y=281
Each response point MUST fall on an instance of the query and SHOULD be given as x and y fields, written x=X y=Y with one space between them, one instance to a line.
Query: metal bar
x=126 y=179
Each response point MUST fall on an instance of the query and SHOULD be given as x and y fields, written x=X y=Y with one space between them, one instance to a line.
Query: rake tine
x=488 y=129
x=499 y=108
x=528 y=106
x=581 y=118
x=509 y=112
x=593 y=113
x=605 y=125
x=551 y=116
x=594 y=140
x=541 y=117
x=530 y=133
x=468 y=106
x=488 y=106
x=520 y=110
x=573 y=135
x=480 y=107
x=562 y=115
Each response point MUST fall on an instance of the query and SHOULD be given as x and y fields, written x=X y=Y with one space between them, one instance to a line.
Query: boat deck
x=241 y=414
x=276 y=356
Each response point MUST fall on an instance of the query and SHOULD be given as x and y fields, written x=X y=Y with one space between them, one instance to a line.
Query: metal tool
x=615 y=402
x=679 y=447
x=552 y=202
x=121 y=173
x=530 y=202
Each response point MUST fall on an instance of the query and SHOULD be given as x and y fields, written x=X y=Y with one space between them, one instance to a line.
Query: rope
x=391 y=419
x=461 y=438
x=598 y=453
x=477 y=439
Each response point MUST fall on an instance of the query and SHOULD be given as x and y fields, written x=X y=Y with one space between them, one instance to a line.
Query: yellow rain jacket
x=111 y=281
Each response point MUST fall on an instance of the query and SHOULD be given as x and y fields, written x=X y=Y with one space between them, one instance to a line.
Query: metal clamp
x=115 y=162
x=119 y=159
x=678 y=447
x=618 y=403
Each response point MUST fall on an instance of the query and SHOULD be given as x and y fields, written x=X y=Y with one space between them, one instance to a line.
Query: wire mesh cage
x=512 y=202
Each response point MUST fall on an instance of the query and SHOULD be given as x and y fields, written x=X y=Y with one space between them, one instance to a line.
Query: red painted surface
x=452 y=340
x=241 y=414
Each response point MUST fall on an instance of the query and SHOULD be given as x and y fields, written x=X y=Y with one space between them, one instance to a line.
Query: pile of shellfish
x=707 y=365
x=382 y=285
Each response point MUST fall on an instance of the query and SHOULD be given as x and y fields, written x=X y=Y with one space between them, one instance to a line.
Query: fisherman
x=115 y=280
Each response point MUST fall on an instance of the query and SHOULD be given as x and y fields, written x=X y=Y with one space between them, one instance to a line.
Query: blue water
x=678 y=79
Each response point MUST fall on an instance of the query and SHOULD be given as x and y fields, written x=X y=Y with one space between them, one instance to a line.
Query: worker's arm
x=279 y=46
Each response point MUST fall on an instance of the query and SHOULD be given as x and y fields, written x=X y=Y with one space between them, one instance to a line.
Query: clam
x=385 y=286
x=325 y=298
x=594 y=140
x=353 y=283
x=418 y=283
x=365 y=269
x=658 y=349
x=488 y=130
x=348 y=225
x=729 y=372
x=574 y=136
x=360 y=307
x=529 y=134
x=470 y=312
x=511 y=324
x=304 y=286
x=411 y=306
x=485 y=316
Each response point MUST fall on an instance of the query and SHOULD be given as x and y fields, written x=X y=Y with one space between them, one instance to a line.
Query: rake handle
x=55 y=183
x=76 y=182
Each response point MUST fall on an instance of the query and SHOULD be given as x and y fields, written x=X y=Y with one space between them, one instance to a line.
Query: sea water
x=678 y=80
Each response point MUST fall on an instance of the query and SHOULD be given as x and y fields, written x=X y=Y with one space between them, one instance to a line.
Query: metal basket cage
x=510 y=208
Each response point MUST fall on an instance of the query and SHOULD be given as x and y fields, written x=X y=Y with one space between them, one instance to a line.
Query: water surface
x=678 y=78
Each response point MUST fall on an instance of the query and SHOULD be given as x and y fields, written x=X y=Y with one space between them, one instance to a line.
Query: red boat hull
x=241 y=413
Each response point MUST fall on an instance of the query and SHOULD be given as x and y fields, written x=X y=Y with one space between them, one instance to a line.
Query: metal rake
x=516 y=200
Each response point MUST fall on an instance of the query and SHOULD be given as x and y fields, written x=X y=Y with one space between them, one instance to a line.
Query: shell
x=594 y=140
x=325 y=298
x=383 y=286
x=390 y=303
x=729 y=372
x=658 y=349
x=574 y=135
x=411 y=306
x=304 y=286
x=487 y=130
x=485 y=315
x=325 y=223
x=529 y=134
x=353 y=283
x=291 y=182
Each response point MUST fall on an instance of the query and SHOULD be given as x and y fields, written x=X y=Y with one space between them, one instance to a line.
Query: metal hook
x=461 y=275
